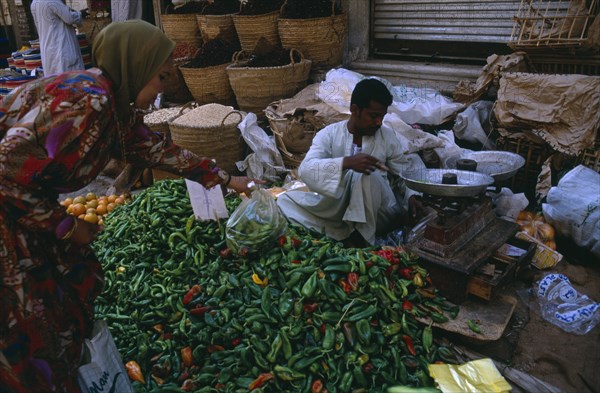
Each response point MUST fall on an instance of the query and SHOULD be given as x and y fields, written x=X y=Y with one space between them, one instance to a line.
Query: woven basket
x=250 y=28
x=209 y=84
x=217 y=26
x=290 y=160
x=319 y=39
x=181 y=28
x=223 y=143
x=256 y=87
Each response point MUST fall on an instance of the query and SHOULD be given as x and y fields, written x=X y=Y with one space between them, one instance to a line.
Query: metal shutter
x=411 y=23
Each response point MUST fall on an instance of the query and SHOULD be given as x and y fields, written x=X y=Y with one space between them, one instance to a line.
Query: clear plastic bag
x=563 y=306
x=255 y=224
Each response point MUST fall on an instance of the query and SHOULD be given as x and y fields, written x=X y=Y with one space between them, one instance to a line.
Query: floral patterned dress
x=56 y=135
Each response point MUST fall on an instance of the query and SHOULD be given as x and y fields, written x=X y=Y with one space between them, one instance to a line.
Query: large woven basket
x=319 y=39
x=223 y=143
x=209 y=84
x=256 y=87
x=250 y=28
x=217 y=26
x=181 y=28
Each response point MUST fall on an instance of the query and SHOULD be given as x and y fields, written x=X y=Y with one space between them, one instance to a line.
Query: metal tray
x=429 y=181
x=501 y=165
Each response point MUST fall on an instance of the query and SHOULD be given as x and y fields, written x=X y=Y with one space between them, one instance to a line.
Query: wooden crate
x=534 y=152
x=556 y=24
x=506 y=268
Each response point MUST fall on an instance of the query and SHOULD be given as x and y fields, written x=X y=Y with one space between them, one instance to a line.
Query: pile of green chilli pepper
x=307 y=315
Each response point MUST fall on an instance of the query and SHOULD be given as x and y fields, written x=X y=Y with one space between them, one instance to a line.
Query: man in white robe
x=59 y=46
x=347 y=169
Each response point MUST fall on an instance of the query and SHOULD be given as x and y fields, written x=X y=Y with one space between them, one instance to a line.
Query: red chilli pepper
x=194 y=290
x=353 y=280
x=345 y=286
x=317 y=386
x=296 y=261
x=407 y=306
x=409 y=344
x=236 y=341
x=281 y=240
x=260 y=381
x=199 y=310
x=322 y=328
x=186 y=356
x=406 y=273
x=215 y=348
x=225 y=253
x=368 y=368
x=310 y=307
x=296 y=242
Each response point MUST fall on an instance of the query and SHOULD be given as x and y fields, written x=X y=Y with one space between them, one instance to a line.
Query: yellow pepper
x=258 y=281
x=418 y=280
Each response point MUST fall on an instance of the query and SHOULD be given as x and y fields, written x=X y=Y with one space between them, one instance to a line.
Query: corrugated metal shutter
x=444 y=20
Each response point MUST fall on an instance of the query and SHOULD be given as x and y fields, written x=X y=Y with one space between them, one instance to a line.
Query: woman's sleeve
x=150 y=149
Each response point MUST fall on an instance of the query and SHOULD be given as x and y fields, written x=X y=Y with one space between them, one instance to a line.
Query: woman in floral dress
x=56 y=135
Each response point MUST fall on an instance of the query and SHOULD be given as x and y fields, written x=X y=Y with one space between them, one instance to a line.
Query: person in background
x=56 y=135
x=59 y=46
x=122 y=10
x=347 y=168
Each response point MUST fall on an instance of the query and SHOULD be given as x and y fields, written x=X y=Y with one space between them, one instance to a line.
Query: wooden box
x=504 y=265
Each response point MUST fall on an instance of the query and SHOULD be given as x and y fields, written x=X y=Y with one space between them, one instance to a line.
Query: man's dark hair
x=370 y=89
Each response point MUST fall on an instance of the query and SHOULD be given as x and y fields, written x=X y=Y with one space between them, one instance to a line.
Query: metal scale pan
x=429 y=181
x=501 y=165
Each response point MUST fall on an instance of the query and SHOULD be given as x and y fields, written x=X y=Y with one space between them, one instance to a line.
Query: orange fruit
x=102 y=209
x=100 y=221
x=90 y=195
x=81 y=216
x=103 y=200
x=112 y=198
x=126 y=196
x=78 y=209
x=90 y=210
x=111 y=206
x=120 y=201
x=79 y=199
x=92 y=203
x=91 y=218
x=67 y=202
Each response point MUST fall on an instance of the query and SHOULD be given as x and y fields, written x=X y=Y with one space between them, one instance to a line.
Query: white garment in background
x=59 y=46
x=342 y=201
x=122 y=10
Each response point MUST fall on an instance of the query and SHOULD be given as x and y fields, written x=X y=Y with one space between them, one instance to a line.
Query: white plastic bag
x=563 y=306
x=573 y=207
x=266 y=162
x=473 y=124
x=255 y=224
x=422 y=106
x=508 y=205
x=105 y=371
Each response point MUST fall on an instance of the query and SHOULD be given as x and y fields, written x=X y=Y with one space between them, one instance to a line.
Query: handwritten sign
x=208 y=204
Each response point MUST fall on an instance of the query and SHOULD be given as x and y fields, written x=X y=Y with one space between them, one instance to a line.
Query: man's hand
x=363 y=163
x=416 y=210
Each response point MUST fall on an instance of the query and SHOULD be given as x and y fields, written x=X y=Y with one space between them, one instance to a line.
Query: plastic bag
x=255 y=224
x=473 y=124
x=422 y=106
x=104 y=370
x=266 y=162
x=563 y=306
x=573 y=208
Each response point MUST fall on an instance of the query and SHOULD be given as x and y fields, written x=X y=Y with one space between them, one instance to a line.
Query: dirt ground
x=530 y=344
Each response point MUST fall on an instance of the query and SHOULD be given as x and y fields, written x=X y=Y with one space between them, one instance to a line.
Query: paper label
x=510 y=250
x=208 y=204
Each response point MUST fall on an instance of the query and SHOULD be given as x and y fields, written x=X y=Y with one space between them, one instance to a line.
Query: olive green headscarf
x=131 y=53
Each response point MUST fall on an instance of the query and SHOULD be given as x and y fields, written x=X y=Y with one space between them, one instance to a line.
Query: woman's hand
x=85 y=233
x=239 y=184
